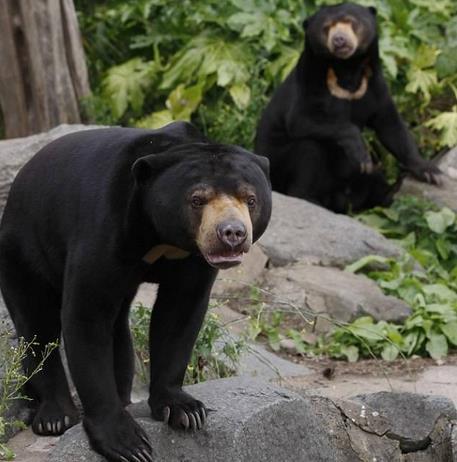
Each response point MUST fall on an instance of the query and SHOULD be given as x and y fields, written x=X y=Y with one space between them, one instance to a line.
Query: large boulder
x=253 y=420
x=301 y=231
x=330 y=294
x=16 y=152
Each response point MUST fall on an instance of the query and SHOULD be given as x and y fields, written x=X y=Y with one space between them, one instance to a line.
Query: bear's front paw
x=427 y=172
x=178 y=409
x=119 y=438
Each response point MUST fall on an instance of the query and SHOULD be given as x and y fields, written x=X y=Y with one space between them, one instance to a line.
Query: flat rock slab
x=330 y=293
x=301 y=231
x=256 y=421
x=16 y=152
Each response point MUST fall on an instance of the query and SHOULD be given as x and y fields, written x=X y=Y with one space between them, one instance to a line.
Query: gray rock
x=16 y=152
x=445 y=195
x=252 y=421
x=454 y=442
x=257 y=361
x=413 y=417
x=330 y=293
x=301 y=231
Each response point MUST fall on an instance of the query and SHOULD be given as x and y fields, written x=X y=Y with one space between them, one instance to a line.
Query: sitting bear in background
x=89 y=218
x=312 y=128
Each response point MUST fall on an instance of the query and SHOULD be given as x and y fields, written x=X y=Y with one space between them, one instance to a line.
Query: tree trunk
x=43 y=71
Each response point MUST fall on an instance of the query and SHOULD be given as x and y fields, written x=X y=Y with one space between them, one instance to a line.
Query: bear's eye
x=197 y=201
x=251 y=202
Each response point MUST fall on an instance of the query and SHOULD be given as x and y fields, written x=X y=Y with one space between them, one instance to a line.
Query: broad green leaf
x=439 y=221
x=446 y=123
x=351 y=352
x=437 y=346
x=446 y=63
x=425 y=57
x=441 y=6
x=390 y=352
x=364 y=328
x=421 y=80
x=443 y=247
x=241 y=95
x=156 y=119
x=450 y=331
x=282 y=66
x=182 y=101
x=125 y=85
x=440 y=291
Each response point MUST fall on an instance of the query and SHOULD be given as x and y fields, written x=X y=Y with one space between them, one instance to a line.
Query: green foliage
x=216 y=63
x=425 y=277
x=13 y=379
x=215 y=355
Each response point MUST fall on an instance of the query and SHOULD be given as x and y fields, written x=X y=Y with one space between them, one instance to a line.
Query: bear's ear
x=146 y=167
x=305 y=23
x=373 y=10
x=263 y=163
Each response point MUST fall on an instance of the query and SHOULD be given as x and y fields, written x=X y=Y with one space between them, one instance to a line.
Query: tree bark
x=43 y=71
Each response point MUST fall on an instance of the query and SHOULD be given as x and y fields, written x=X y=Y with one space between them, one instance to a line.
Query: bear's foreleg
x=178 y=313
x=396 y=138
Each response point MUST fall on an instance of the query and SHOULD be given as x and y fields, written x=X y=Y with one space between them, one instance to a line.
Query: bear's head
x=207 y=198
x=341 y=31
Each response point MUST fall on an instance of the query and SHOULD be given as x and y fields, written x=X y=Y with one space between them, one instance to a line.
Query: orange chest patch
x=341 y=93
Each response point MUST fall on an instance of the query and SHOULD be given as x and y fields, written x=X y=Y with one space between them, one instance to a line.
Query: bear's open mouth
x=225 y=259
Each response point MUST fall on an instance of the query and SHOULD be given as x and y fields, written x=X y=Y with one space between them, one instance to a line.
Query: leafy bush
x=216 y=63
x=215 y=355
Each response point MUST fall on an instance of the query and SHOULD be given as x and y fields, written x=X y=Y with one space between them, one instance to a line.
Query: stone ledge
x=256 y=421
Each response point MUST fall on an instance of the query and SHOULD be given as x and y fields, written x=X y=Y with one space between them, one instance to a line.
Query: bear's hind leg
x=34 y=307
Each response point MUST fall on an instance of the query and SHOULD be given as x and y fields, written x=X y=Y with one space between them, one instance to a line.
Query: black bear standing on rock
x=89 y=218
x=312 y=128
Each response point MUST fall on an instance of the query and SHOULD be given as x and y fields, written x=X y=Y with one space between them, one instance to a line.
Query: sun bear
x=89 y=218
x=311 y=130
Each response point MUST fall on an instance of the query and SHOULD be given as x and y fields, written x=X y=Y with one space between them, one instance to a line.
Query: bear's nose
x=339 y=40
x=232 y=233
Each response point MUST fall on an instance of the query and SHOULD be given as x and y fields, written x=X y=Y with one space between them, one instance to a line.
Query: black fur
x=313 y=139
x=80 y=216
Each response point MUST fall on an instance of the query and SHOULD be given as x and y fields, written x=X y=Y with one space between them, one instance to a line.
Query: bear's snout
x=339 y=41
x=232 y=233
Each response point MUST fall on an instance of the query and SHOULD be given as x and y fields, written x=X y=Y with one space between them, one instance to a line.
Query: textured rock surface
x=412 y=417
x=331 y=293
x=252 y=420
x=300 y=231
x=16 y=152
